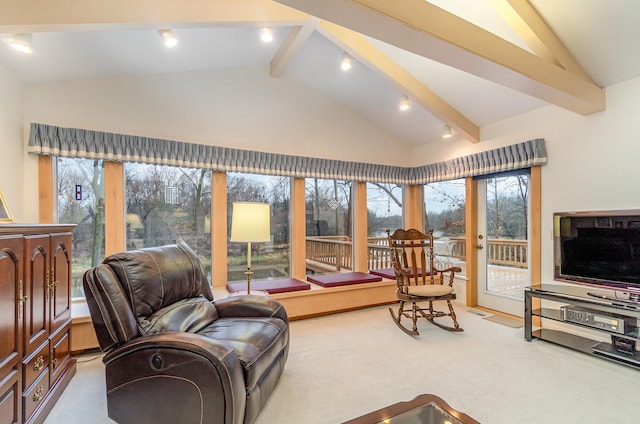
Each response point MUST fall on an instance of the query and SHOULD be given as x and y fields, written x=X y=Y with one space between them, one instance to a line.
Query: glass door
x=503 y=242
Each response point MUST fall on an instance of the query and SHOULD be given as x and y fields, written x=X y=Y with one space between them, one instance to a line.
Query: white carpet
x=346 y=365
x=509 y=322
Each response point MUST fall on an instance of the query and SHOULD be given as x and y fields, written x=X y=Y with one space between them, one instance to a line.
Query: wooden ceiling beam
x=429 y=31
x=534 y=31
x=298 y=35
x=364 y=51
x=93 y=15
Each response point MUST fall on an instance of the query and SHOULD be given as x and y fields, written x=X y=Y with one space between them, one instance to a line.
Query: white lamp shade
x=250 y=222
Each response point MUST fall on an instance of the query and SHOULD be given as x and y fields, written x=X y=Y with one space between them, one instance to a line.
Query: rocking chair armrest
x=455 y=269
x=452 y=273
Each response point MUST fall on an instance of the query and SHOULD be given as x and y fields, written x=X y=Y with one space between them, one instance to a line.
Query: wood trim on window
x=535 y=193
x=413 y=206
x=360 y=233
x=46 y=203
x=218 y=229
x=298 y=232
x=471 y=235
x=114 y=208
x=535 y=256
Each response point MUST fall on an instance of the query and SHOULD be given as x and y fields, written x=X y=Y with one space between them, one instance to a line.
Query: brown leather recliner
x=173 y=355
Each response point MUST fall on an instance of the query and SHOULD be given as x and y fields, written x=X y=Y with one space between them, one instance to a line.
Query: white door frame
x=487 y=299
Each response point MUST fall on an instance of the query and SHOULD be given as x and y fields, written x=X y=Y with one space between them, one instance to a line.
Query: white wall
x=241 y=107
x=11 y=148
x=593 y=161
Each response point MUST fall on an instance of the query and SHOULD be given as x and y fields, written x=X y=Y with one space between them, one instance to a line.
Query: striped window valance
x=508 y=158
x=81 y=143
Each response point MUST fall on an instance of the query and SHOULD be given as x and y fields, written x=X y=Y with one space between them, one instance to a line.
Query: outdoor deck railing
x=329 y=251
x=334 y=252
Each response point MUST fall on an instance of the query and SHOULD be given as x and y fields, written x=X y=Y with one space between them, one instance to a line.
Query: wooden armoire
x=35 y=319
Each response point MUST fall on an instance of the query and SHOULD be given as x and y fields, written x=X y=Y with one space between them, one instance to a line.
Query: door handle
x=479 y=246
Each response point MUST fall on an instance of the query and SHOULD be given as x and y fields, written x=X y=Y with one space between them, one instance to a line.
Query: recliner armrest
x=201 y=372
x=250 y=306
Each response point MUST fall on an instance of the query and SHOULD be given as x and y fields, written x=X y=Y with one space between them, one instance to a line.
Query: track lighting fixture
x=405 y=103
x=346 y=64
x=446 y=131
x=169 y=39
x=266 y=35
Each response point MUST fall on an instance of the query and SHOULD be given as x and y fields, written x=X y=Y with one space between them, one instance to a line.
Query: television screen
x=598 y=248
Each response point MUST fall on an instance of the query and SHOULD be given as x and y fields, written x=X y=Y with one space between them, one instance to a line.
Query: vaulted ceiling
x=464 y=63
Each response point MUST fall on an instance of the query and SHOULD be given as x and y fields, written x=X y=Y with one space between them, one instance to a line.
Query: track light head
x=346 y=64
x=169 y=39
x=446 y=131
x=266 y=35
x=405 y=103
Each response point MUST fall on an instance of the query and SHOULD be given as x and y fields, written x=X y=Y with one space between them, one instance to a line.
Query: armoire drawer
x=34 y=365
x=34 y=394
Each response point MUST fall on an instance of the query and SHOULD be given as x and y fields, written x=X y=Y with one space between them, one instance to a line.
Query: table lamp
x=250 y=223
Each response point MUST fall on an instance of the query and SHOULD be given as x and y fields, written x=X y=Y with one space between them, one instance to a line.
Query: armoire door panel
x=36 y=318
x=60 y=280
x=12 y=304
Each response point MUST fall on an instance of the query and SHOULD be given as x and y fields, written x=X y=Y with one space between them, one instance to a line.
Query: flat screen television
x=599 y=249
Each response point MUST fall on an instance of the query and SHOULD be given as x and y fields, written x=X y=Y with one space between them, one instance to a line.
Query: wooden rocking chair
x=419 y=281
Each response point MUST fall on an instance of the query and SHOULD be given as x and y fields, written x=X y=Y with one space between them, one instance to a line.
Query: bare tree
x=507 y=203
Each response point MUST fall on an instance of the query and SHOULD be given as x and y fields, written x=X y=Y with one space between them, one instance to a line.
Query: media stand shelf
x=595 y=310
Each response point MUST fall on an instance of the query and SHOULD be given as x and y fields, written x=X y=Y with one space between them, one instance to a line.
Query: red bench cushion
x=282 y=285
x=384 y=273
x=343 y=279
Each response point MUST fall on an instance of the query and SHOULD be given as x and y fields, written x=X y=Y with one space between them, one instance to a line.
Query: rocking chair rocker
x=418 y=282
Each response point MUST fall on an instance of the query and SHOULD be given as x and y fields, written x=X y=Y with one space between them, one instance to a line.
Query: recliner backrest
x=155 y=277
x=148 y=291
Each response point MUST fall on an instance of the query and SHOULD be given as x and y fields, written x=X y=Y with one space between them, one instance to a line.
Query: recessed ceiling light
x=405 y=103
x=346 y=64
x=169 y=39
x=20 y=42
x=266 y=35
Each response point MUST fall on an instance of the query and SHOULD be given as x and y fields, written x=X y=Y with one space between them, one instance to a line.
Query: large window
x=384 y=211
x=445 y=212
x=271 y=259
x=384 y=208
x=329 y=225
x=80 y=197
x=166 y=204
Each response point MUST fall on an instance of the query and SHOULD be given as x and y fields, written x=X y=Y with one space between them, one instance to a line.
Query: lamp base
x=248 y=273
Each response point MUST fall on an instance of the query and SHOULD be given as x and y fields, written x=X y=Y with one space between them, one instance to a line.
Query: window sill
x=79 y=311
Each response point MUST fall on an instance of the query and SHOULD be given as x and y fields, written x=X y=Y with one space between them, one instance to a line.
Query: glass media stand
x=580 y=308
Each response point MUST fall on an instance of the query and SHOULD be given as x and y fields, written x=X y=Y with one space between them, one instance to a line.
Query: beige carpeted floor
x=509 y=322
x=346 y=365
